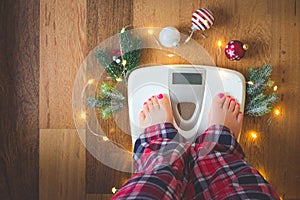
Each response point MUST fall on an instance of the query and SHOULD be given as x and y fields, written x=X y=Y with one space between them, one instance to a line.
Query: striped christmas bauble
x=202 y=19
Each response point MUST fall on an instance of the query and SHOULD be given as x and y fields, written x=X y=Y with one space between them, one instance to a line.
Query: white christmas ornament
x=169 y=37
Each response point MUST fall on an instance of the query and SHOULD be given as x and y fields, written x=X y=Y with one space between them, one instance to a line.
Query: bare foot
x=156 y=110
x=226 y=111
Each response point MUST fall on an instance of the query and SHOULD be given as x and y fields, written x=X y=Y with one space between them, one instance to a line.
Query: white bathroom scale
x=190 y=89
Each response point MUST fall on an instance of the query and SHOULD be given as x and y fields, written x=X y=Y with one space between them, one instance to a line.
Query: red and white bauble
x=235 y=50
x=202 y=19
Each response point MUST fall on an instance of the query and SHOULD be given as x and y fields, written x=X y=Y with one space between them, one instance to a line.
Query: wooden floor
x=43 y=43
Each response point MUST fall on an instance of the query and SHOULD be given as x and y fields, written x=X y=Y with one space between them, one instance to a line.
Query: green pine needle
x=257 y=102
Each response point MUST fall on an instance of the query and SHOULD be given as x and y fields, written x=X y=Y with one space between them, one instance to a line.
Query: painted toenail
x=232 y=99
x=149 y=99
x=145 y=103
x=221 y=95
x=229 y=97
x=152 y=96
x=160 y=96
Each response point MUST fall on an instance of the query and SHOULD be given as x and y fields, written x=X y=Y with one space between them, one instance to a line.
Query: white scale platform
x=184 y=84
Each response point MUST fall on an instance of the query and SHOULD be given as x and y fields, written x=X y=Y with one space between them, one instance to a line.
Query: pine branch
x=258 y=103
x=260 y=78
x=109 y=65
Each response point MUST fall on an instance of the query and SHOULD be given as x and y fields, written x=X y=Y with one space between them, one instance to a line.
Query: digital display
x=187 y=78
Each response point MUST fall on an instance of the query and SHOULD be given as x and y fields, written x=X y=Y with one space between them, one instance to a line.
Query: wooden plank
x=98 y=196
x=279 y=144
x=19 y=99
x=62 y=165
x=62 y=50
x=104 y=19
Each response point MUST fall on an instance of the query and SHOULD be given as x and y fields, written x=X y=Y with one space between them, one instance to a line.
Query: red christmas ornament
x=235 y=50
x=202 y=19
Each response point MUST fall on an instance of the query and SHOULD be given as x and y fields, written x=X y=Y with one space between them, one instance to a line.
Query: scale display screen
x=187 y=78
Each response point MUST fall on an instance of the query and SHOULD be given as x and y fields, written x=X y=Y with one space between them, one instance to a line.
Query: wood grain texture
x=62 y=51
x=104 y=19
x=276 y=153
x=98 y=196
x=62 y=165
x=271 y=30
x=19 y=99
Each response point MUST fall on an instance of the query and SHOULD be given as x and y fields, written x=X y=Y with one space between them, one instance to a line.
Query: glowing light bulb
x=91 y=81
x=123 y=30
x=105 y=139
x=219 y=43
x=150 y=31
x=124 y=62
x=119 y=79
x=114 y=190
x=275 y=88
x=263 y=174
x=83 y=115
x=170 y=55
x=277 y=112
x=254 y=135
x=250 y=82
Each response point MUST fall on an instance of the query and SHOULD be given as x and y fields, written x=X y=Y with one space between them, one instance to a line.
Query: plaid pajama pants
x=213 y=167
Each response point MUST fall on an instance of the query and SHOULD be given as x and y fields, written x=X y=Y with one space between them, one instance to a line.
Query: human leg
x=219 y=169
x=160 y=155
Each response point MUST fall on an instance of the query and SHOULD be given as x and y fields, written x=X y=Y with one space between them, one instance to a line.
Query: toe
x=232 y=105
x=145 y=107
x=155 y=102
x=236 y=109
x=240 y=117
x=226 y=102
x=219 y=100
x=150 y=104
x=162 y=100
x=142 y=116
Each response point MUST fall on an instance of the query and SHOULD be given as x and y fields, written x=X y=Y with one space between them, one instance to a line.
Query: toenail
x=149 y=99
x=152 y=96
x=221 y=95
x=145 y=103
x=160 y=96
x=229 y=97
x=232 y=99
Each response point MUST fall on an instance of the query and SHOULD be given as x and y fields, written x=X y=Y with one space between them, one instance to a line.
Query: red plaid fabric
x=213 y=167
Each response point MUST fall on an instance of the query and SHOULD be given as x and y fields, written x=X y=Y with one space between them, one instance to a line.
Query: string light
x=123 y=30
x=263 y=174
x=114 y=190
x=219 y=43
x=150 y=31
x=254 y=135
x=250 y=82
x=277 y=112
x=170 y=55
x=91 y=81
x=275 y=88
x=119 y=79
x=105 y=139
x=124 y=62
x=83 y=115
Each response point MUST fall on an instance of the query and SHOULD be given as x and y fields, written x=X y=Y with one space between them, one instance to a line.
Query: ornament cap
x=245 y=47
